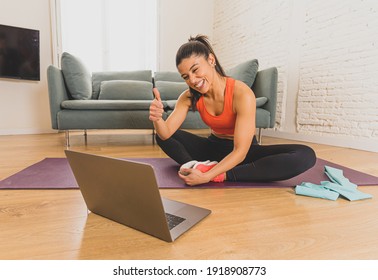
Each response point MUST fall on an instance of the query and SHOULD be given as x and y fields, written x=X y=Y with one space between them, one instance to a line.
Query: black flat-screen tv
x=19 y=53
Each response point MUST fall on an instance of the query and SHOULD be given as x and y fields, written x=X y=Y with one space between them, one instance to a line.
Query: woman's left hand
x=193 y=177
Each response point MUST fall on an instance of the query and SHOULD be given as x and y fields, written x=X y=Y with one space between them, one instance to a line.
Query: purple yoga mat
x=55 y=173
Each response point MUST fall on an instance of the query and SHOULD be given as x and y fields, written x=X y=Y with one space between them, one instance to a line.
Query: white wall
x=24 y=107
x=178 y=20
x=326 y=53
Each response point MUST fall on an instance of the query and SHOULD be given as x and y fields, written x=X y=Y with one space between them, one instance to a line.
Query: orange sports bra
x=225 y=122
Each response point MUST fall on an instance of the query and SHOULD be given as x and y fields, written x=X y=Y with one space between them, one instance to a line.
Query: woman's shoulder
x=243 y=95
x=241 y=88
x=185 y=96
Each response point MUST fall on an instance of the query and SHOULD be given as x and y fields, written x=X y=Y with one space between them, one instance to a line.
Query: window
x=110 y=35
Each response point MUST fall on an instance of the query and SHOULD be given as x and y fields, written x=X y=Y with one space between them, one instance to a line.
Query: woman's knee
x=307 y=156
x=161 y=142
x=158 y=139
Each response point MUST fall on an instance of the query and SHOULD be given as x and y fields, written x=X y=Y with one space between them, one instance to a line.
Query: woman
x=228 y=107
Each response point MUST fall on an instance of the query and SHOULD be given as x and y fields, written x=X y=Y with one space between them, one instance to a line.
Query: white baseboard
x=354 y=143
x=26 y=131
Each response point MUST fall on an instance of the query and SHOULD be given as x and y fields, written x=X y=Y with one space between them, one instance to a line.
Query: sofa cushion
x=76 y=76
x=170 y=90
x=106 y=104
x=126 y=90
x=245 y=72
x=98 y=77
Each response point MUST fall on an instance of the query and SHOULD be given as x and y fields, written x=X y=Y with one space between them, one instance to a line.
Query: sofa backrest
x=265 y=85
x=168 y=76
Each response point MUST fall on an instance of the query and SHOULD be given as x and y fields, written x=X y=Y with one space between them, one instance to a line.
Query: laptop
x=127 y=192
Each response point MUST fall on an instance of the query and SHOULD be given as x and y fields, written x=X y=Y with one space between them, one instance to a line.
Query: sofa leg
x=67 y=136
x=153 y=136
x=85 y=137
x=260 y=136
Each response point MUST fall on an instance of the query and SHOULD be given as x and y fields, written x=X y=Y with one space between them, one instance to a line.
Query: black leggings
x=262 y=163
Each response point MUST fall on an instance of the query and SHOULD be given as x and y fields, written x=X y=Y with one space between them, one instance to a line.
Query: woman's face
x=198 y=72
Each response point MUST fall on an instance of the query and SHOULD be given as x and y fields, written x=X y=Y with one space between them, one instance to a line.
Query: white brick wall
x=326 y=52
x=338 y=92
x=248 y=29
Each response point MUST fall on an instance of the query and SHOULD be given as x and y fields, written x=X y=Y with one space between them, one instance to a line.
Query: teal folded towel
x=309 y=189
x=331 y=190
x=337 y=176
x=347 y=192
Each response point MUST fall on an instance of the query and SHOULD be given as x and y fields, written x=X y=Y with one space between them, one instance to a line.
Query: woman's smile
x=199 y=85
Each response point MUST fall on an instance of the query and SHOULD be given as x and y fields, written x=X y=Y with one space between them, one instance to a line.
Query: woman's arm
x=244 y=104
x=166 y=128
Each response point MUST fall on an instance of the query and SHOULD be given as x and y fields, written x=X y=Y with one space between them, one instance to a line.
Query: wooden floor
x=244 y=224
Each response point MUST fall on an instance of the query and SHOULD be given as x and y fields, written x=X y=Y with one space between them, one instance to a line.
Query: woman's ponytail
x=205 y=40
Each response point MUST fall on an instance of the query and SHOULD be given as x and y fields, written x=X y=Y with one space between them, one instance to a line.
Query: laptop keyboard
x=173 y=220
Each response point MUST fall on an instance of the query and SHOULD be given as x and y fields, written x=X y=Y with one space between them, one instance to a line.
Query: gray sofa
x=80 y=100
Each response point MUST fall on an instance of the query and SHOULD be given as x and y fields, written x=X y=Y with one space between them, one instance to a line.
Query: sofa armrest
x=57 y=92
x=265 y=85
